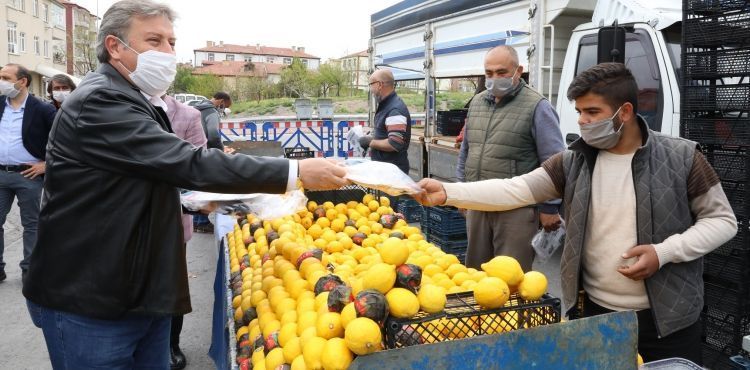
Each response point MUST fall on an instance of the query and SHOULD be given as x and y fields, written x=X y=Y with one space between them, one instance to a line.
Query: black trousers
x=684 y=343
x=176 y=329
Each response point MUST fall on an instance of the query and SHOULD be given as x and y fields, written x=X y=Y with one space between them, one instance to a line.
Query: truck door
x=641 y=59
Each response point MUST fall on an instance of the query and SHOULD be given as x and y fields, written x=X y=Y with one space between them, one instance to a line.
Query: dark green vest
x=499 y=136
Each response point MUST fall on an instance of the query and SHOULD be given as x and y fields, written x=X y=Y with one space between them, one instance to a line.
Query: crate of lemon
x=316 y=289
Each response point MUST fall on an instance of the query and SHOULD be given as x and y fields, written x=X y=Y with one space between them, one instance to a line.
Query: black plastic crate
x=445 y=220
x=298 y=153
x=716 y=98
x=739 y=244
x=732 y=297
x=714 y=129
x=722 y=330
x=463 y=318
x=730 y=165
x=452 y=246
x=716 y=64
x=411 y=210
x=451 y=122
x=718 y=359
x=733 y=268
x=725 y=28
x=737 y=193
x=346 y=194
x=714 y=6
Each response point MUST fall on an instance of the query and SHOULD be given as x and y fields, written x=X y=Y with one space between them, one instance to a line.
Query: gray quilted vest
x=499 y=136
x=660 y=173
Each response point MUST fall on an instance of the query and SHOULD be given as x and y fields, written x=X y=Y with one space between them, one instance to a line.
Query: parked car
x=184 y=98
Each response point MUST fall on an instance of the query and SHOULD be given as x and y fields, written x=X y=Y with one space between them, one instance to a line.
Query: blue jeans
x=28 y=192
x=134 y=342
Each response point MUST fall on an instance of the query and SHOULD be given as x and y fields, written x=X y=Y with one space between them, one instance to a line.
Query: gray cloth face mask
x=602 y=134
x=500 y=86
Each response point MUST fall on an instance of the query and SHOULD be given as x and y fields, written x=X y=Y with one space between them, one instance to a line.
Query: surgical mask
x=602 y=134
x=154 y=72
x=499 y=86
x=8 y=89
x=60 y=96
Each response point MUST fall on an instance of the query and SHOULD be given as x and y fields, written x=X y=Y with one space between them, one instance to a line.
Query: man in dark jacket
x=211 y=111
x=25 y=122
x=392 y=127
x=109 y=268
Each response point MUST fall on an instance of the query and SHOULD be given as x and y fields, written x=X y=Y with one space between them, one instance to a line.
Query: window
x=18 y=4
x=22 y=42
x=45 y=12
x=304 y=61
x=211 y=56
x=36 y=45
x=248 y=58
x=35 y=8
x=640 y=58
x=46 y=48
x=230 y=57
x=12 y=38
x=287 y=61
x=270 y=60
x=58 y=16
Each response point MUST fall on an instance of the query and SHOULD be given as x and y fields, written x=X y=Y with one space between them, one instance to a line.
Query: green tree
x=183 y=81
x=296 y=79
x=207 y=85
x=331 y=76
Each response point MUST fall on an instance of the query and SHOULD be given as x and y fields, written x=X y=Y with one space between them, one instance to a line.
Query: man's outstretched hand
x=432 y=194
x=322 y=174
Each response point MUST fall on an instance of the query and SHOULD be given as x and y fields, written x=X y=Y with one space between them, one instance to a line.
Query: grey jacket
x=210 y=120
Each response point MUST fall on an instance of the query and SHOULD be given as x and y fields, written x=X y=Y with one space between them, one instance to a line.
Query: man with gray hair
x=392 y=128
x=109 y=270
x=510 y=130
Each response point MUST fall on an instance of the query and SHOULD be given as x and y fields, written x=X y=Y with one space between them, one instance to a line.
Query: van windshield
x=673 y=38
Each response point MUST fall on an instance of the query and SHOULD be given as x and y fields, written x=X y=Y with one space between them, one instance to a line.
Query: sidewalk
x=22 y=344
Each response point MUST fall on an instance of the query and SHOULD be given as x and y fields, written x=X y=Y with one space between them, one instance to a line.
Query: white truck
x=555 y=39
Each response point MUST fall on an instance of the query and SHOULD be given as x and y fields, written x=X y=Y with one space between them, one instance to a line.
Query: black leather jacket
x=110 y=234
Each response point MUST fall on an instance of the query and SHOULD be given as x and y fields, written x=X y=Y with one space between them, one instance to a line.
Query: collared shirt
x=156 y=101
x=12 y=151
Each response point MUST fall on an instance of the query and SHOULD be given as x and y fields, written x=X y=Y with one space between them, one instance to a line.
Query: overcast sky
x=326 y=28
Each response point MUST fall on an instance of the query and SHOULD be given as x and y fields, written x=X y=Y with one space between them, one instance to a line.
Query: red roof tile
x=237 y=68
x=256 y=50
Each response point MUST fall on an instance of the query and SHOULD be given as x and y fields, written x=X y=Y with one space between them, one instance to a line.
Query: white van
x=184 y=98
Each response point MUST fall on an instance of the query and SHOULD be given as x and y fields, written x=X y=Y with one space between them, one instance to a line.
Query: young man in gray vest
x=510 y=130
x=641 y=209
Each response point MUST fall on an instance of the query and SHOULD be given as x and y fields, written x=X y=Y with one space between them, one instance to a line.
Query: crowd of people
x=97 y=175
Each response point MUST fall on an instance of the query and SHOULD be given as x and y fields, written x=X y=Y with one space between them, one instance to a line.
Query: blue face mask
x=500 y=86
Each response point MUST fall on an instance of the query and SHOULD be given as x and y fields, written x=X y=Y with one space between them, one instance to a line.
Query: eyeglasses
x=374 y=82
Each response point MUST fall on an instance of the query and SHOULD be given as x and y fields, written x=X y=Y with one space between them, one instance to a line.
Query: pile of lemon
x=276 y=274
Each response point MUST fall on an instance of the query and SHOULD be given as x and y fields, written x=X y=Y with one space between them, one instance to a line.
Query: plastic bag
x=382 y=176
x=546 y=243
x=352 y=137
x=265 y=206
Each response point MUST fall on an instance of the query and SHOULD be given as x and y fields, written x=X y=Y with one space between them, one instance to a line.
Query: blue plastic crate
x=411 y=210
x=447 y=220
x=449 y=246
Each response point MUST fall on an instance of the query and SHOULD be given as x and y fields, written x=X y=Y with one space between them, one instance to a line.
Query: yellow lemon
x=274 y=358
x=312 y=351
x=380 y=276
x=394 y=251
x=336 y=355
x=432 y=298
x=491 y=292
x=533 y=286
x=363 y=336
x=402 y=303
x=348 y=314
x=329 y=325
x=291 y=350
x=505 y=268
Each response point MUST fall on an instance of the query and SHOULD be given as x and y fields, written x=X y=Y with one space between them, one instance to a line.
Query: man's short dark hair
x=611 y=81
x=222 y=96
x=61 y=79
x=21 y=72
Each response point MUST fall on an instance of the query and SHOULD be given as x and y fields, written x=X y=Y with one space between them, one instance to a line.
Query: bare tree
x=84 y=51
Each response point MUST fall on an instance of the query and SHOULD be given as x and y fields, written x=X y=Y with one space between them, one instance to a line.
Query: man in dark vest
x=510 y=130
x=641 y=209
x=211 y=111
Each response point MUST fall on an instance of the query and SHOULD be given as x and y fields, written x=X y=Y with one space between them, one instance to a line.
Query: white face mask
x=8 y=89
x=154 y=72
x=602 y=134
x=60 y=96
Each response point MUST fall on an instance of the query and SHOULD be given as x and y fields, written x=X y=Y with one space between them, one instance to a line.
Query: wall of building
x=200 y=56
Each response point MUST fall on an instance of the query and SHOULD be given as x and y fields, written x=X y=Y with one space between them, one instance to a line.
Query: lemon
x=348 y=314
x=299 y=363
x=432 y=269
x=329 y=325
x=287 y=332
x=394 y=251
x=306 y=320
x=274 y=358
x=321 y=300
x=402 y=303
x=380 y=276
x=533 y=286
x=505 y=268
x=432 y=298
x=639 y=359
x=291 y=350
x=363 y=336
x=491 y=292
x=258 y=357
x=336 y=355
x=309 y=333
x=312 y=351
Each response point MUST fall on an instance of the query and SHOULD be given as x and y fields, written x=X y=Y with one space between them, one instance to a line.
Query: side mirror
x=611 y=44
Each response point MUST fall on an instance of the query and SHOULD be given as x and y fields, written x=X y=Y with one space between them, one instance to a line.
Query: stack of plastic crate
x=446 y=228
x=715 y=112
